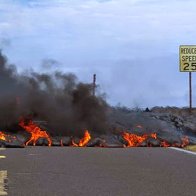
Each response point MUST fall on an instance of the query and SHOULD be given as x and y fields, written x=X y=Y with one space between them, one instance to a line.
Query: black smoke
x=66 y=105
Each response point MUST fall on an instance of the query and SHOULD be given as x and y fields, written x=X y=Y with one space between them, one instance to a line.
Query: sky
x=132 y=45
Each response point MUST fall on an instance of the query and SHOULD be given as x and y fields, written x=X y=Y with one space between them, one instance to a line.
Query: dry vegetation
x=191 y=148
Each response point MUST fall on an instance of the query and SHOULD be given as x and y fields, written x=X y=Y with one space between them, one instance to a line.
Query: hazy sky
x=132 y=45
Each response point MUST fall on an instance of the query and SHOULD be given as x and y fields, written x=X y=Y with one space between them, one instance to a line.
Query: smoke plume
x=66 y=105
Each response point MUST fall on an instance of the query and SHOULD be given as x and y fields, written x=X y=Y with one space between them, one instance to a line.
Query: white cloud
x=88 y=35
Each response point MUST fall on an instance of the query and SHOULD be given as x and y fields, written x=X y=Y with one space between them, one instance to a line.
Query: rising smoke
x=59 y=99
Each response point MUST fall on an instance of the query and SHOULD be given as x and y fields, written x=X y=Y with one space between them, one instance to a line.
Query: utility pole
x=94 y=84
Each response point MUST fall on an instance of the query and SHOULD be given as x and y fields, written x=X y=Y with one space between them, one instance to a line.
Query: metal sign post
x=190 y=91
x=188 y=64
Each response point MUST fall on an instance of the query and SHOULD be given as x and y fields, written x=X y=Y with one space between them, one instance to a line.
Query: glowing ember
x=84 y=141
x=35 y=131
x=165 y=144
x=2 y=136
x=6 y=137
x=61 y=142
x=134 y=140
x=185 y=141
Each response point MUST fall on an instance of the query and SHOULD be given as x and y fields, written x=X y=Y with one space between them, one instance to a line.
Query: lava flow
x=84 y=141
x=134 y=140
x=184 y=142
x=35 y=131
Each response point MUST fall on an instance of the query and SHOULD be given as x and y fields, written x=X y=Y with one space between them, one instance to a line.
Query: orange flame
x=6 y=137
x=134 y=140
x=35 y=131
x=184 y=142
x=2 y=136
x=84 y=141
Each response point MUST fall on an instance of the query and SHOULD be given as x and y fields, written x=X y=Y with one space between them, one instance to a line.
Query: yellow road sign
x=187 y=58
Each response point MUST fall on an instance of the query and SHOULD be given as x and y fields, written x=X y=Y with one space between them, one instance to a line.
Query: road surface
x=69 y=171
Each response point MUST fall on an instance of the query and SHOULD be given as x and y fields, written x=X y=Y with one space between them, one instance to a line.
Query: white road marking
x=182 y=150
x=3 y=181
x=33 y=154
x=2 y=156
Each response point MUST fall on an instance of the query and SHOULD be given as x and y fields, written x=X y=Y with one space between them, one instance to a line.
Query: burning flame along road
x=35 y=131
x=131 y=140
x=6 y=137
x=84 y=141
x=134 y=140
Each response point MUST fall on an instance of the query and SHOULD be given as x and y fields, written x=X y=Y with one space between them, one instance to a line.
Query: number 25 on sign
x=188 y=58
x=188 y=64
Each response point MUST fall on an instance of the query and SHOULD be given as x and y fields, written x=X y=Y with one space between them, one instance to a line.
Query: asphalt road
x=44 y=171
